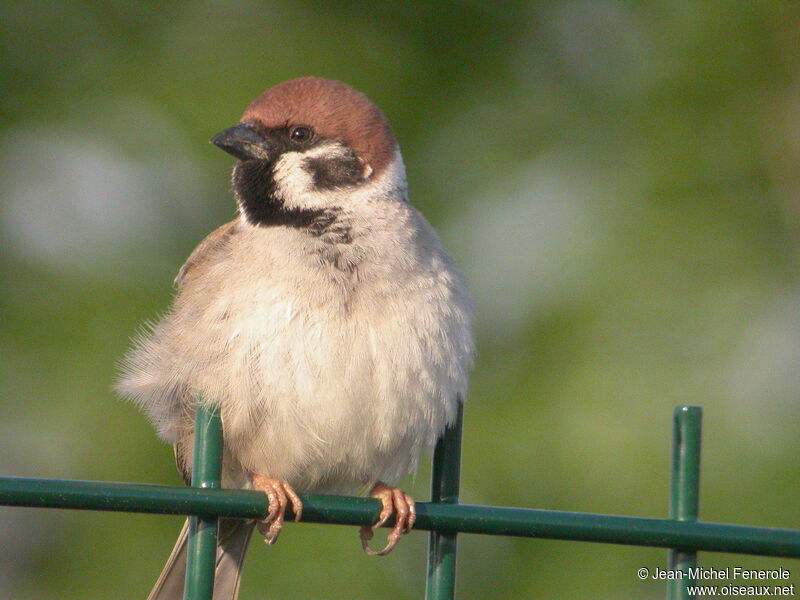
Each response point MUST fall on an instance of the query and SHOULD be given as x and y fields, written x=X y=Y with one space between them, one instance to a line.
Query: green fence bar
x=201 y=558
x=441 y=582
x=463 y=518
x=131 y=497
x=684 y=492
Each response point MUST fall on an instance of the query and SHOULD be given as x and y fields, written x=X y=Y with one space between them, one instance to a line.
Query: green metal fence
x=444 y=517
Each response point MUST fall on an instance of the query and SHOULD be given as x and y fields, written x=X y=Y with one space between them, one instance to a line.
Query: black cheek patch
x=333 y=172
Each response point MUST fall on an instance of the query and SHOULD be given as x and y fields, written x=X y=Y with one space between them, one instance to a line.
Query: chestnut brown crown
x=332 y=109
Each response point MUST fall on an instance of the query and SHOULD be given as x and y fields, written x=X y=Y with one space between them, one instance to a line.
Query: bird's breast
x=330 y=379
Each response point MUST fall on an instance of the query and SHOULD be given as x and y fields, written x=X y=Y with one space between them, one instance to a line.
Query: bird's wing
x=212 y=245
x=208 y=246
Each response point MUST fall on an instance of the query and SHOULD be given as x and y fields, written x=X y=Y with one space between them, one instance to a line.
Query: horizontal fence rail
x=444 y=517
x=461 y=518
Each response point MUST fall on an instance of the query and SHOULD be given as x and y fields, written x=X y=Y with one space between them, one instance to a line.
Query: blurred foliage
x=619 y=181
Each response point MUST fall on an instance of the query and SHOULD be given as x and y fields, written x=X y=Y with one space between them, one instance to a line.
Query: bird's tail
x=234 y=534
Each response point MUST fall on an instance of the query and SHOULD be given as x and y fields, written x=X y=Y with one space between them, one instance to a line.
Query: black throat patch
x=254 y=185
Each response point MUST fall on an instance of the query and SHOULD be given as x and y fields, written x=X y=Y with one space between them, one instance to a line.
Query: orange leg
x=393 y=500
x=280 y=494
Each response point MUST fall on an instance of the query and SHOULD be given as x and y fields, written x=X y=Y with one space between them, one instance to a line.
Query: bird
x=325 y=322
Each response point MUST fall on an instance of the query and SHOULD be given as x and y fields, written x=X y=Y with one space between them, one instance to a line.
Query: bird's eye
x=301 y=134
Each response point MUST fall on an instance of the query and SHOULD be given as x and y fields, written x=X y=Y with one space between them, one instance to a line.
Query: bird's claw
x=393 y=500
x=280 y=495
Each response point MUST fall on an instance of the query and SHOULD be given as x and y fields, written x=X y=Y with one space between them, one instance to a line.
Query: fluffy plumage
x=333 y=365
x=336 y=345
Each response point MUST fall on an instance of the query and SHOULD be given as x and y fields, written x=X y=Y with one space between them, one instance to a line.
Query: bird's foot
x=280 y=495
x=393 y=499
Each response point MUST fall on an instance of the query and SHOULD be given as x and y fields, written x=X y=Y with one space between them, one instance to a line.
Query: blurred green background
x=619 y=180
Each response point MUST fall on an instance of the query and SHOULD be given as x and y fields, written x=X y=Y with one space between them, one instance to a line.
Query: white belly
x=332 y=397
x=328 y=380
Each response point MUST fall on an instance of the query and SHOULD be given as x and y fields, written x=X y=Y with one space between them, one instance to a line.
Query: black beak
x=243 y=142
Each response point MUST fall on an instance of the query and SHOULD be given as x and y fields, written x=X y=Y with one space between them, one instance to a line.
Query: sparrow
x=326 y=323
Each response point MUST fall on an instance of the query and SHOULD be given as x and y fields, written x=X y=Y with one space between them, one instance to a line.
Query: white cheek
x=293 y=182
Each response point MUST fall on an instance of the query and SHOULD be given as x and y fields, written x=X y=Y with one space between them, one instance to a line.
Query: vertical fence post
x=441 y=580
x=684 y=491
x=206 y=470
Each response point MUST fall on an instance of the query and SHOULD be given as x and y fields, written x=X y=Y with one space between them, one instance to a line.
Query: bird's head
x=309 y=146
